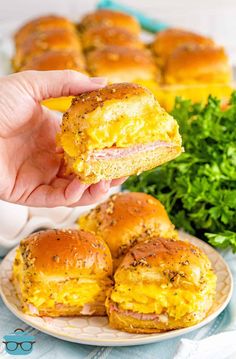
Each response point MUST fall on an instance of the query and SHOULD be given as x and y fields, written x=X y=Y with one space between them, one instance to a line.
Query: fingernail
x=99 y=80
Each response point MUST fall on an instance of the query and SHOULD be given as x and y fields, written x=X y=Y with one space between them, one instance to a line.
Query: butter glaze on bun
x=122 y=64
x=161 y=285
x=126 y=219
x=196 y=64
x=56 y=60
x=110 y=18
x=117 y=131
x=62 y=272
x=42 y=24
x=100 y=36
x=167 y=41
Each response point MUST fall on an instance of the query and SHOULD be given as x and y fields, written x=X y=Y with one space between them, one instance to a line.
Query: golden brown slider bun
x=55 y=60
x=161 y=285
x=37 y=43
x=62 y=272
x=101 y=36
x=122 y=64
x=196 y=64
x=117 y=131
x=110 y=18
x=41 y=24
x=125 y=219
x=168 y=40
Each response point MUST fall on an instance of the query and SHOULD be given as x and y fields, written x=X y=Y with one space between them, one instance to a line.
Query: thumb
x=42 y=85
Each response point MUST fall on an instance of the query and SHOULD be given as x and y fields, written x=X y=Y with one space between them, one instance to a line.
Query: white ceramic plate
x=95 y=330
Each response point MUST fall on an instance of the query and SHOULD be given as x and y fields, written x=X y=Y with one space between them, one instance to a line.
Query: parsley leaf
x=198 y=188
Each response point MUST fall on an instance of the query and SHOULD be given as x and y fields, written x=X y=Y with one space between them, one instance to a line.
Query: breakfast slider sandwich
x=56 y=60
x=168 y=40
x=42 y=24
x=198 y=65
x=37 y=43
x=62 y=273
x=101 y=36
x=111 y=19
x=117 y=131
x=126 y=219
x=122 y=64
x=161 y=285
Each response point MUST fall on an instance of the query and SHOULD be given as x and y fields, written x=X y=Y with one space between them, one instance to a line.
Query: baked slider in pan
x=56 y=60
x=51 y=40
x=161 y=285
x=42 y=24
x=101 y=36
x=117 y=131
x=126 y=219
x=197 y=64
x=166 y=41
x=110 y=18
x=122 y=64
x=62 y=273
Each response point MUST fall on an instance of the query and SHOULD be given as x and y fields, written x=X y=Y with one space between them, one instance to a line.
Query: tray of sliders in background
x=176 y=62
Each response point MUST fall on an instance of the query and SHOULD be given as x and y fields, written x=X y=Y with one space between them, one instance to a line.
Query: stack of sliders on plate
x=113 y=48
x=48 y=43
x=126 y=219
x=159 y=283
x=189 y=58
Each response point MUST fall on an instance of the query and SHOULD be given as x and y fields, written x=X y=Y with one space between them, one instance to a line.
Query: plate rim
x=146 y=338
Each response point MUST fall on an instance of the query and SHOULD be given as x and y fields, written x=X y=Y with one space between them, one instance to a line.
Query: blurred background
x=211 y=17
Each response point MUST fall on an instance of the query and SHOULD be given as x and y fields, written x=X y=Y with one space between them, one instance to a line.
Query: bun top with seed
x=197 y=64
x=66 y=253
x=127 y=218
x=171 y=258
x=42 y=24
x=101 y=36
x=55 y=60
x=110 y=18
x=122 y=64
x=167 y=41
x=51 y=40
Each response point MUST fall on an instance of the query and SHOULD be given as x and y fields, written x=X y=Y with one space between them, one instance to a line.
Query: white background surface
x=212 y=17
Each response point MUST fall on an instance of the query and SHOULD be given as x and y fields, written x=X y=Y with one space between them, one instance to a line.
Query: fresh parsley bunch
x=198 y=188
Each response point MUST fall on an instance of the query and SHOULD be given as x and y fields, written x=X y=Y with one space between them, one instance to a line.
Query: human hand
x=30 y=164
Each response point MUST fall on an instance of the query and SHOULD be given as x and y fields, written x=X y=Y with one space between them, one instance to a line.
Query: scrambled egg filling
x=127 y=125
x=71 y=293
x=158 y=299
x=47 y=293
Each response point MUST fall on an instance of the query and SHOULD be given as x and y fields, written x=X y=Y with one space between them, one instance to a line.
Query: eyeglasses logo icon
x=19 y=342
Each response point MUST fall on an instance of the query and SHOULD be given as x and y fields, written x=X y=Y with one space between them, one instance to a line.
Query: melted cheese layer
x=151 y=298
